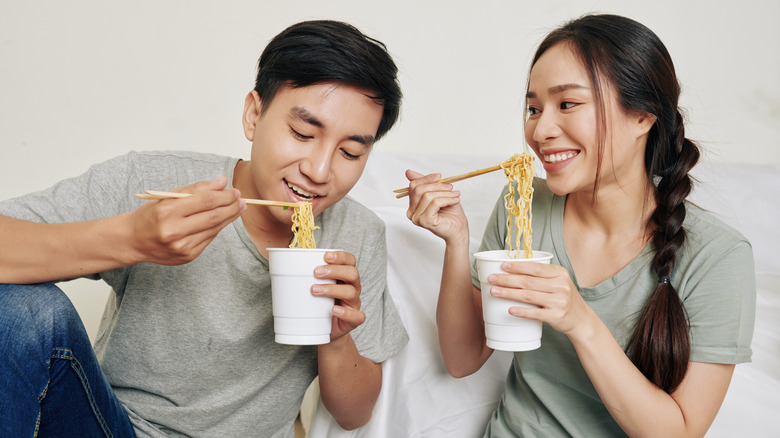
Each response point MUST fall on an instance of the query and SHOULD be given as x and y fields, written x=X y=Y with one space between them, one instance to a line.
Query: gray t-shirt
x=189 y=349
x=548 y=393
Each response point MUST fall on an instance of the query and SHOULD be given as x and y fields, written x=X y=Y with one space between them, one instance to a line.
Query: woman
x=649 y=301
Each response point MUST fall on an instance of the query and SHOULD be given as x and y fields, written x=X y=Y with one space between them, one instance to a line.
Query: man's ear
x=252 y=108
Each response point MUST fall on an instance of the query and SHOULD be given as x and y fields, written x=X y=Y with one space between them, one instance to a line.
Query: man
x=186 y=343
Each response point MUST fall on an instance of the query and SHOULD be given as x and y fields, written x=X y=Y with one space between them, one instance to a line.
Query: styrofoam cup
x=300 y=318
x=503 y=330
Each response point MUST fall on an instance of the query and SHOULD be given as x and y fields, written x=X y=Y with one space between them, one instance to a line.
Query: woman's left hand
x=346 y=312
x=548 y=286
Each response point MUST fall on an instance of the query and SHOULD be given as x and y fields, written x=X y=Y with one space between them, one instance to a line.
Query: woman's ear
x=645 y=121
x=252 y=109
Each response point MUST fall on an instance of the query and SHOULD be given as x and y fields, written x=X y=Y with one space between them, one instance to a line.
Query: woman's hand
x=435 y=206
x=176 y=231
x=342 y=268
x=547 y=286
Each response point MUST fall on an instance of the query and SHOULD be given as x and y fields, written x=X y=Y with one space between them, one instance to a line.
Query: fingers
x=340 y=268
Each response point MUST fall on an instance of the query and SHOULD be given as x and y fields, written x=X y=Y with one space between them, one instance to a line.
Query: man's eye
x=349 y=156
x=299 y=135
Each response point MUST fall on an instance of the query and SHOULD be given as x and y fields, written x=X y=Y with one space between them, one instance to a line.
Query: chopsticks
x=154 y=194
x=405 y=190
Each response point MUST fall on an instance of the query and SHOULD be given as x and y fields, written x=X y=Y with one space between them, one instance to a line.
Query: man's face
x=310 y=144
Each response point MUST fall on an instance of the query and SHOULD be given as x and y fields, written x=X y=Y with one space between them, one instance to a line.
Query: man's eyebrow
x=306 y=116
x=366 y=140
x=558 y=89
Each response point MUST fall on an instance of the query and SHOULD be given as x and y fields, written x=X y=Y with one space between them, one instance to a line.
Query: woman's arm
x=639 y=406
x=436 y=207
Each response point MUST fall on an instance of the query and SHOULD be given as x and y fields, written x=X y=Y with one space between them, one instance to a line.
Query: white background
x=86 y=80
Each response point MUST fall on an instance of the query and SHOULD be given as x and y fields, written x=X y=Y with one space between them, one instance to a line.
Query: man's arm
x=349 y=382
x=170 y=232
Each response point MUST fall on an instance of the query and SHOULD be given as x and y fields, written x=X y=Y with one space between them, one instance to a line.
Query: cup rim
x=502 y=255
x=302 y=249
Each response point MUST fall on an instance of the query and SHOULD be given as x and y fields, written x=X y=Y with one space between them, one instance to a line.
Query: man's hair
x=312 y=52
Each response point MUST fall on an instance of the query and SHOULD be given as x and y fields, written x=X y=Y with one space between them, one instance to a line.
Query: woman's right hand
x=435 y=206
x=176 y=231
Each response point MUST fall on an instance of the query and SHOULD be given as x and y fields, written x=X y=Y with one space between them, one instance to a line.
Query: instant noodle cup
x=503 y=330
x=300 y=318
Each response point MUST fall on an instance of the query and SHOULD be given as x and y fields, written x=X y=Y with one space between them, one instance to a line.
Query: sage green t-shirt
x=548 y=393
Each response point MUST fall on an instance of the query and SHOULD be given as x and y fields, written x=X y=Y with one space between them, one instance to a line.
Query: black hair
x=632 y=59
x=318 y=51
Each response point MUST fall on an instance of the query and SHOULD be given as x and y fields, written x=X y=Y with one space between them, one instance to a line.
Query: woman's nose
x=546 y=127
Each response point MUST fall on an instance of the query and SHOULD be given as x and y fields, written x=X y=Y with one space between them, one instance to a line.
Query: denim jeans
x=51 y=384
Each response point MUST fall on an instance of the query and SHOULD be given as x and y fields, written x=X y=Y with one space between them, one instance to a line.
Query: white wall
x=85 y=80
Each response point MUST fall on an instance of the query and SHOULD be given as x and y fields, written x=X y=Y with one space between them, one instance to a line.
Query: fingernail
x=329 y=256
x=317 y=289
x=492 y=278
x=495 y=292
x=320 y=270
x=338 y=311
x=506 y=265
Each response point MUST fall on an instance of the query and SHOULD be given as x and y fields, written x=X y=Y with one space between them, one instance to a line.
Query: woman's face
x=562 y=127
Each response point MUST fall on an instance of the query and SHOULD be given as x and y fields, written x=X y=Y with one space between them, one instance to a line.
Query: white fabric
x=419 y=398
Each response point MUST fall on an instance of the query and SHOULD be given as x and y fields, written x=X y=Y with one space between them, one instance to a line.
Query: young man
x=186 y=345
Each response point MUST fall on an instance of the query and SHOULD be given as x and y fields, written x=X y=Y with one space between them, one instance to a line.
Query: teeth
x=301 y=192
x=554 y=158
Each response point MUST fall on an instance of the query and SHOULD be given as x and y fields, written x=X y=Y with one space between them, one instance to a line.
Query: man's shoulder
x=175 y=156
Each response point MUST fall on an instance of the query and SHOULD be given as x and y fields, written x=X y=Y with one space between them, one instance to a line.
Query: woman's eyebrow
x=557 y=89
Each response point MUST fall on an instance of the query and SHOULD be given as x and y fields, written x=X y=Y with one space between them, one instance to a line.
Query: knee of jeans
x=29 y=309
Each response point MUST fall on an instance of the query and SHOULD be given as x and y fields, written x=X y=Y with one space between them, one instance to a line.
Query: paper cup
x=502 y=330
x=300 y=318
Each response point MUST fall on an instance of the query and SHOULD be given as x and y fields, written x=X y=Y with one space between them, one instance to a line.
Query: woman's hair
x=624 y=54
x=312 y=52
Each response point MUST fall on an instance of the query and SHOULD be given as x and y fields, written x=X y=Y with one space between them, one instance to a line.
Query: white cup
x=503 y=330
x=300 y=318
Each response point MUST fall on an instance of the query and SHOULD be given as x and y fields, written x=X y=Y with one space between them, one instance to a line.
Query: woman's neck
x=604 y=234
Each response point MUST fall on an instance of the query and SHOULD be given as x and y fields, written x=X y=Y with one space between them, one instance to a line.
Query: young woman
x=649 y=301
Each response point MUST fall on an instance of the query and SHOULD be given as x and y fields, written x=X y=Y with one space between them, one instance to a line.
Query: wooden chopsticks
x=154 y=194
x=405 y=190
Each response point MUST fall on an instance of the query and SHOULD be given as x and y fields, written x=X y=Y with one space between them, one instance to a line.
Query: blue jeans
x=51 y=384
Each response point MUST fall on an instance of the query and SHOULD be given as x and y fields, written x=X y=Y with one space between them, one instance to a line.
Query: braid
x=660 y=347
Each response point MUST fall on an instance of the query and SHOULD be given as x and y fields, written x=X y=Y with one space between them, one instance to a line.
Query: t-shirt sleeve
x=382 y=335
x=721 y=307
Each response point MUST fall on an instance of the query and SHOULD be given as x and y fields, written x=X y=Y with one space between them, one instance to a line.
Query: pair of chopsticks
x=400 y=193
x=154 y=194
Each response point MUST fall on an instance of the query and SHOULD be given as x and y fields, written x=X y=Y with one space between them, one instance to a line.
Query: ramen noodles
x=519 y=170
x=303 y=226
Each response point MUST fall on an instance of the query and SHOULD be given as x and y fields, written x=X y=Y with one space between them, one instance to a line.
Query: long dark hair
x=632 y=59
x=317 y=51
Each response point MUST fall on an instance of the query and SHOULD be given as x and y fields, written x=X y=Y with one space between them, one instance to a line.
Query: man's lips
x=300 y=193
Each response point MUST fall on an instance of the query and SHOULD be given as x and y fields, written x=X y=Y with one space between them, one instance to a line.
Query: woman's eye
x=299 y=135
x=568 y=105
x=533 y=111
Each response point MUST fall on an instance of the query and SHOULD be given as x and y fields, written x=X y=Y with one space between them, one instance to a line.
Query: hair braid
x=660 y=346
